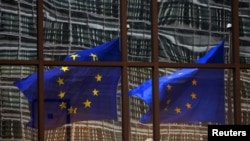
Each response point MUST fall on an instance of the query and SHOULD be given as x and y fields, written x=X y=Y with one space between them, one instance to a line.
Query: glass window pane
x=188 y=29
x=245 y=95
x=138 y=107
x=191 y=98
x=76 y=25
x=18 y=30
x=14 y=106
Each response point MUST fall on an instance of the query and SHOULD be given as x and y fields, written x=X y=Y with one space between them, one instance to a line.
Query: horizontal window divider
x=122 y=64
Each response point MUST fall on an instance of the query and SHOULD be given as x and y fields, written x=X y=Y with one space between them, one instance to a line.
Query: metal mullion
x=40 y=70
x=236 y=61
x=155 y=60
x=244 y=66
x=18 y=62
x=129 y=64
x=82 y=63
x=125 y=97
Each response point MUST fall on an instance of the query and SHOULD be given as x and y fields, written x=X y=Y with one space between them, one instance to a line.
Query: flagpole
x=229 y=75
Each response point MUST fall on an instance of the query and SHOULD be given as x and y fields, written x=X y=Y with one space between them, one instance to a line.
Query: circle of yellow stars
x=187 y=105
x=87 y=103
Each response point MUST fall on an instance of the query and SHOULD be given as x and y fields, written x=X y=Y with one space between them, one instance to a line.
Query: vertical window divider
x=236 y=61
x=124 y=47
x=155 y=61
x=40 y=70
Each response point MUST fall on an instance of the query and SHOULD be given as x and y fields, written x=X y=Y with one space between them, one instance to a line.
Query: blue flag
x=77 y=93
x=189 y=95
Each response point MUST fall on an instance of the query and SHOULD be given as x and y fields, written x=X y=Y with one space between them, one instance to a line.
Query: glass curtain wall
x=187 y=29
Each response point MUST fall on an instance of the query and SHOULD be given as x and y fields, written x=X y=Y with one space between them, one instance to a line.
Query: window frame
x=235 y=66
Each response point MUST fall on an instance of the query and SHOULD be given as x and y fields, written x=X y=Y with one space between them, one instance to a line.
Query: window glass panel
x=139 y=31
x=83 y=101
x=188 y=29
x=244 y=34
x=191 y=98
x=76 y=25
x=14 y=106
x=138 y=107
x=245 y=96
x=18 y=30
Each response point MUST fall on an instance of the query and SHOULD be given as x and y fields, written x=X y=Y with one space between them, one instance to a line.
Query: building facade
x=187 y=29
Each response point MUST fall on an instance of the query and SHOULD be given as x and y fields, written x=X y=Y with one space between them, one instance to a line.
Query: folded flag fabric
x=189 y=95
x=76 y=93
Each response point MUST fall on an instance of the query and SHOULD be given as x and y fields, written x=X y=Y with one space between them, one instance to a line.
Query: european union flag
x=77 y=93
x=189 y=95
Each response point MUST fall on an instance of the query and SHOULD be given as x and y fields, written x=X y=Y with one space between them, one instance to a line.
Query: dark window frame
x=235 y=66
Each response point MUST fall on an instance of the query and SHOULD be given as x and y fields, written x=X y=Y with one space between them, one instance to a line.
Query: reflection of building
x=186 y=30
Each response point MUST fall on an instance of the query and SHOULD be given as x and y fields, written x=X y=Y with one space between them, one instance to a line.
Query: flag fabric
x=76 y=93
x=188 y=95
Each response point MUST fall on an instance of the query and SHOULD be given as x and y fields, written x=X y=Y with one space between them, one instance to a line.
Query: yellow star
x=188 y=105
x=87 y=104
x=94 y=57
x=60 y=81
x=193 y=95
x=72 y=110
x=64 y=68
x=168 y=101
x=98 y=77
x=95 y=92
x=166 y=109
x=177 y=110
x=61 y=94
x=63 y=105
x=169 y=87
x=73 y=56
x=194 y=82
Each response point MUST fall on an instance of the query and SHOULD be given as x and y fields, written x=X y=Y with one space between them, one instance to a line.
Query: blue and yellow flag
x=189 y=95
x=76 y=93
